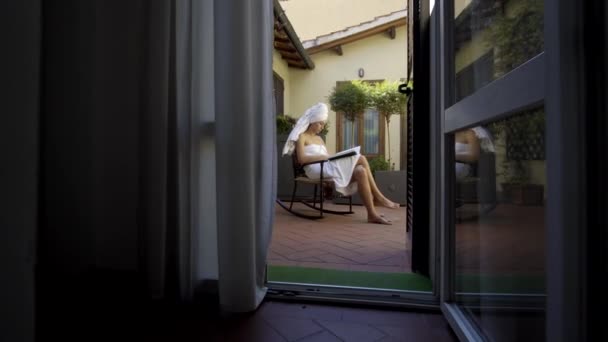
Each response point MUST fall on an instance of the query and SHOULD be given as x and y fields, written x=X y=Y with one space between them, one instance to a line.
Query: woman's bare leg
x=362 y=161
x=363 y=185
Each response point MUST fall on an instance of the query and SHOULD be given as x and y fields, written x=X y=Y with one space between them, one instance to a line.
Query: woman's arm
x=303 y=159
x=472 y=155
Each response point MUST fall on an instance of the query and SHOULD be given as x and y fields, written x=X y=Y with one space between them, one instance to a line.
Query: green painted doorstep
x=406 y=281
x=503 y=283
x=395 y=281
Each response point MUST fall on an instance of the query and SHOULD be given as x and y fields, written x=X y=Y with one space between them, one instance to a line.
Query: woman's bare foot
x=388 y=203
x=378 y=219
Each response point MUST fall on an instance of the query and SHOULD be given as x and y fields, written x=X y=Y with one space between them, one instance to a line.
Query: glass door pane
x=371 y=132
x=492 y=38
x=499 y=210
x=350 y=136
x=496 y=191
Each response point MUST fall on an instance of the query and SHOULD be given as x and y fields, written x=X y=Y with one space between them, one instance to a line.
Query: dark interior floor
x=305 y=322
x=98 y=310
x=289 y=321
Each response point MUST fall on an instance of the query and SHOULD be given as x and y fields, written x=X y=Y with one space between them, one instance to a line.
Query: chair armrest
x=351 y=153
x=345 y=155
x=315 y=162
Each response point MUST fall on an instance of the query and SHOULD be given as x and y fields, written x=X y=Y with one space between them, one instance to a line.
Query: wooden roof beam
x=281 y=38
x=284 y=47
x=292 y=60
x=301 y=65
x=290 y=55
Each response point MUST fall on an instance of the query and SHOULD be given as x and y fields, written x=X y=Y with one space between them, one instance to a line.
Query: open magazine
x=346 y=153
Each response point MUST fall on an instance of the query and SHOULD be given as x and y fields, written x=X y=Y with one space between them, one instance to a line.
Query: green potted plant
x=351 y=99
x=388 y=101
x=377 y=164
x=285 y=124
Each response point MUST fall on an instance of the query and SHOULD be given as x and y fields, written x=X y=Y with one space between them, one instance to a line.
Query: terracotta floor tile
x=325 y=265
x=510 y=239
x=272 y=310
x=283 y=262
x=324 y=336
x=332 y=258
x=375 y=268
x=353 y=331
x=381 y=317
x=294 y=328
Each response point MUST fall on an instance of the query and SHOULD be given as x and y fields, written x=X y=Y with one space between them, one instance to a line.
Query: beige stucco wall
x=459 y=5
x=312 y=18
x=471 y=51
x=279 y=65
x=380 y=57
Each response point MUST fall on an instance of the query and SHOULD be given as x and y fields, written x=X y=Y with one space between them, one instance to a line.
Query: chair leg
x=321 y=200
x=350 y=203
x=293 y=194
x=312 y=205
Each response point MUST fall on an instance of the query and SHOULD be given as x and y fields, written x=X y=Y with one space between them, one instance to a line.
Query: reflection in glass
x=499 y=226
x=493 y=37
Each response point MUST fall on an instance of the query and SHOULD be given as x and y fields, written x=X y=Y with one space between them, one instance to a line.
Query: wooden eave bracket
x=392 y=32
x=338 y=50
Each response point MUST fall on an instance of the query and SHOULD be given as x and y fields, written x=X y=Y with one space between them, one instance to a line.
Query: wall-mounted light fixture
x=361 y=72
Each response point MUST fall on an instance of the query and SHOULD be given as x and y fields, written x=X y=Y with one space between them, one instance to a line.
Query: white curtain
x=244 y=134
x=245 y=149
x=166 y=140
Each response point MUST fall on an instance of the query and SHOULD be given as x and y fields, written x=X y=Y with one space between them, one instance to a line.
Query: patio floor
x=342 y=242
x=508 y=240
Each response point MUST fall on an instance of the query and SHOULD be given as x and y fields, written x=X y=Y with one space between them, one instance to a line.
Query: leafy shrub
x=350 y=98
x=325 y=129
x=285 y=124
x=378 y=164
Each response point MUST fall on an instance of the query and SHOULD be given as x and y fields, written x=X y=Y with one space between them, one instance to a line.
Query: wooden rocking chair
x=299 y=176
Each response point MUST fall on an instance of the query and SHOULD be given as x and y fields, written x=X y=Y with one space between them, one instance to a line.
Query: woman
x=468 y=145
x=350 y=174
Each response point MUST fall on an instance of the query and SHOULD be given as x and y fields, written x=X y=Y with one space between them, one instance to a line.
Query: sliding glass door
x=510 y=94
x=491 y=115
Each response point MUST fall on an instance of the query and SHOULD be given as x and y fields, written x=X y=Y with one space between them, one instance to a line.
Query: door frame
x=425 y=251
x=556 y=81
